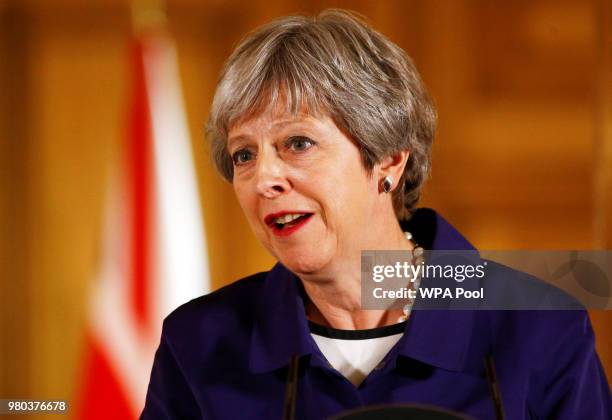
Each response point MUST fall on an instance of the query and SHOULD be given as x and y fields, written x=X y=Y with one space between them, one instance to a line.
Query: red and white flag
x=153 y=256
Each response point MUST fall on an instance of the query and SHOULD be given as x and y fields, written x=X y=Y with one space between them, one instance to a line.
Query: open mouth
x=284 y=224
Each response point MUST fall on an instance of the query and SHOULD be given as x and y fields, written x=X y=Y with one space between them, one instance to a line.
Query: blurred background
x=522 y=157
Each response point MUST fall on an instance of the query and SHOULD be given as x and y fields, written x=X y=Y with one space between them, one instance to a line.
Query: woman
x=324 y=129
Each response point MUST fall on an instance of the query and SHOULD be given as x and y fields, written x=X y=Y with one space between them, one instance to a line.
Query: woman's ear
x=393 y=166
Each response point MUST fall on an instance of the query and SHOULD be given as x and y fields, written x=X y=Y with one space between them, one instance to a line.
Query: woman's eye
x=241 y=157
x=299 y=144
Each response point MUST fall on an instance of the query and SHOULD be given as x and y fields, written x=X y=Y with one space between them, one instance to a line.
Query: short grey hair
x=333 y=63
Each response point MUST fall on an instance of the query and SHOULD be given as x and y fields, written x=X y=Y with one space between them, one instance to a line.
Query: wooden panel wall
x=522 y=159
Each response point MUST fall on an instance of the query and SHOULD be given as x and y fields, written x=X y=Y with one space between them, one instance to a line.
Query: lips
x=285 y=223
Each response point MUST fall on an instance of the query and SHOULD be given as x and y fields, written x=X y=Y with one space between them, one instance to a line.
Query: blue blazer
x=225 y=356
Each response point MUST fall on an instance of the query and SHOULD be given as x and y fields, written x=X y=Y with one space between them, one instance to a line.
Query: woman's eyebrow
x=302 y=125
x=241 y=138
x=278 y=126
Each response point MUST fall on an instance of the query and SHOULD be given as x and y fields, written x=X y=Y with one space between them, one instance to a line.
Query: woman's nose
x=271 y=178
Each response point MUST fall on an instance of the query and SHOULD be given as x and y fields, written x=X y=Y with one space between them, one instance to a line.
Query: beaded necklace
x=417 y=258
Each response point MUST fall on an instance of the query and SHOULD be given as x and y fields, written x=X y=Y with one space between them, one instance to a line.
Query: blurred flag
x=153 y=255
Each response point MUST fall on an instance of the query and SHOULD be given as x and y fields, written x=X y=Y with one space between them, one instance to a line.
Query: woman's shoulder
x=533 y=317
x=545 y=342
x=229 y=308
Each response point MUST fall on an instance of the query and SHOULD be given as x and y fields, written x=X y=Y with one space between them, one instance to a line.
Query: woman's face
x=303 y=187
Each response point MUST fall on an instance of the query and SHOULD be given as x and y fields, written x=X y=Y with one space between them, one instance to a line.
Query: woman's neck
x=335 y=295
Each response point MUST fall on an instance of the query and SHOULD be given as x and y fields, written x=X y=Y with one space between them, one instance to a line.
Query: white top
x=356 y=353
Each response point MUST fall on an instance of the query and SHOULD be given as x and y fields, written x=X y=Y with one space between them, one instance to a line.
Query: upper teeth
x=288 y=218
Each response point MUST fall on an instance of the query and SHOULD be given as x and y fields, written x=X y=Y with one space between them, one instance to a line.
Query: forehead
x=277 y=119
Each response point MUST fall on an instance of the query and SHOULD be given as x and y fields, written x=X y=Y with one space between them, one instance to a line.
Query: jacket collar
x=436 y=337
x=280 y=328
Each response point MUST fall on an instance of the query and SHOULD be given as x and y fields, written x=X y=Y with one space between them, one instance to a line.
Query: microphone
x=291 y=389
x=494 y=387
x=390 y=411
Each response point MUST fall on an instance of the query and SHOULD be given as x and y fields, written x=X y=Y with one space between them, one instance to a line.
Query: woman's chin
x=306 y=256
x=304 y=264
